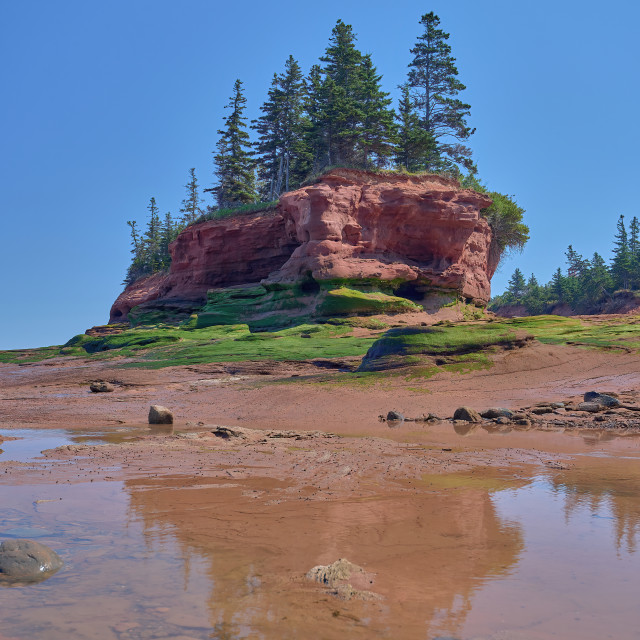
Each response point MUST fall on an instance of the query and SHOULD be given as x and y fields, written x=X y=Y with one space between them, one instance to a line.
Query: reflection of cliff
x=605 y=485
x=430 y=551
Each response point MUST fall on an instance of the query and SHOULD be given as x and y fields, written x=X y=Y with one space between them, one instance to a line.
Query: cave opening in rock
x=309 y=285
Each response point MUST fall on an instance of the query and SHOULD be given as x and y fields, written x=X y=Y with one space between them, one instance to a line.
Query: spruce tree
x=191 y=205
x=558 y=285
x=634 y=253
x=316 y=134
x=433 y=79
x=377 y=135
x=168 y=233
x=621 y=265
x=234 y=167
x=597 y=280
x=415 y=146
x=137 y=268
x=517 y=286
x=152 y=240
x=284 y=159
x=341 y=115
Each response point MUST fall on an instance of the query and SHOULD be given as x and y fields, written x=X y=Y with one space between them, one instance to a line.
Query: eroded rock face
x=212 y=254
x=421 y=230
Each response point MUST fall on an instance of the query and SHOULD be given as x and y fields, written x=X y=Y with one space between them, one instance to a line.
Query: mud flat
x=207 y=528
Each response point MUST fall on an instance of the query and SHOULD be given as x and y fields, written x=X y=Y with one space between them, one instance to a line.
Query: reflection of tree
x=605 y=485
x=430 y=551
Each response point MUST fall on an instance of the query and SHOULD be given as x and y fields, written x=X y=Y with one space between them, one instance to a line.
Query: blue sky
x=105 y=104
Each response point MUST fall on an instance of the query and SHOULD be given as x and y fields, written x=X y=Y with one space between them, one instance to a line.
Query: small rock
x=226 y=433
x=591 y=407
x=557 y=405
x=502 y=420
x=601 y=399
x=523 y=422
x=101 y=387
x=468 y=414
x=395 y=415
x=160 y=415
x=599 y=418
x=490 y=414
x=27 y=561
x=542 y=410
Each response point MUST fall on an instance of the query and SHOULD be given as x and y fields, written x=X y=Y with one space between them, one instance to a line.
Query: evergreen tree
x=597 y=280
x=341 y=114
x=168 y=233
x=234 y=167
x=378 y=126
x=152 y=240
x=433 y=78
x=622 y=264
x=558 y=285
x=191 y=209
x=415 y=146
x=517 y=286
x=136 y=268
x=316 y=135
x=634 y=253
x=284 y=157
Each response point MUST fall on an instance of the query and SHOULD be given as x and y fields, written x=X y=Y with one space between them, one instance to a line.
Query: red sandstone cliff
x=425 y=231
x=216 y=253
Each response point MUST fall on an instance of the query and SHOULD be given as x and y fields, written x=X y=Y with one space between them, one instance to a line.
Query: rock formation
x=410 y=236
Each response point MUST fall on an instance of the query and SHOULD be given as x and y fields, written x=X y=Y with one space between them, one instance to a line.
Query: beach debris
x=344 y=579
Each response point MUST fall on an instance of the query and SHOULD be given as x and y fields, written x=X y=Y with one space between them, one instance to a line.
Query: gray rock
x=395 y=415
x=591 y=407
x=468 y=414
x=495 y=412
x=523 y=422
x=542 y=410
x=27 y=561
x=601 y=399
x=101 y=387
x=160 y=415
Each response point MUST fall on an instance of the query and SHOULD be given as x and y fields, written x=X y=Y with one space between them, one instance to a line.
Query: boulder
x=101 y=387
x=27 y=561
x=160 y=415
x=602 y=399
x=491 y=414
x=467 y=414
x=395 y=416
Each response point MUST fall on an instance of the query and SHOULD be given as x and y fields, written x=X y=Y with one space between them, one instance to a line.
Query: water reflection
x=429 y=551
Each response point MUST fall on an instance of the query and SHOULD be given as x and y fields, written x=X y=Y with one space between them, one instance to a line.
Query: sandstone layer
x=212 y=254
x=413 y=235
x=416 y=229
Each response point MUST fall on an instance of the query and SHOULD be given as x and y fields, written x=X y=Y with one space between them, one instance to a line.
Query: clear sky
x=105 y=104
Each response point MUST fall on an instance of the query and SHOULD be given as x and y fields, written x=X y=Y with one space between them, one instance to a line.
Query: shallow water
x=510 y=554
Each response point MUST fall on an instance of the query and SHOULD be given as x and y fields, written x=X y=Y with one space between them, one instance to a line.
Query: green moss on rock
x=345 y=301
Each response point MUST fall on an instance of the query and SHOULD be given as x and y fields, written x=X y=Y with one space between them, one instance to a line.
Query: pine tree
x=433 y=78
x=234 y=167
x=378 y=126
x=415 y=147
x=191 y=209
x=621 y=265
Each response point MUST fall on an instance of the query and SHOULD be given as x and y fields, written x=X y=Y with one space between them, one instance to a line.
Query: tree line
x=336 y=115
x=586 y=283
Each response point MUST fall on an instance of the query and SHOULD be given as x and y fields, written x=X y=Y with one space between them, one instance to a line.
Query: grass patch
x=345 y=301
x=245 y=209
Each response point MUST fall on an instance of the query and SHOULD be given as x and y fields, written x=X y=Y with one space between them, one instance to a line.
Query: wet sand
x=493 y=532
